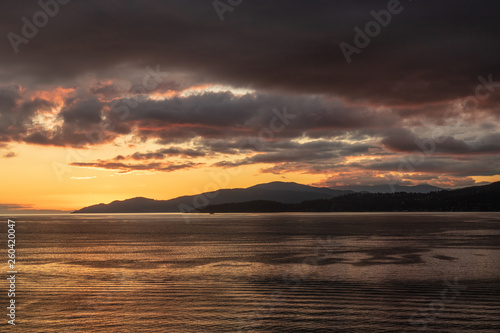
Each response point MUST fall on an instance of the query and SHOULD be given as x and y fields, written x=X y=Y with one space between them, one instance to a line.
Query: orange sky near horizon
x=31 y=179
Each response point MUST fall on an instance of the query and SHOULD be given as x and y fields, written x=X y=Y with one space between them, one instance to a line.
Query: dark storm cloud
x=432 y=51
x=209 y=109
x=226 y=115
x=83 y=113
x=218 y=115
x=9 y=96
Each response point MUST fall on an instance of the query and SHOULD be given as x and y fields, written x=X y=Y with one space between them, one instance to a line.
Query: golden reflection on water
x=266 y=273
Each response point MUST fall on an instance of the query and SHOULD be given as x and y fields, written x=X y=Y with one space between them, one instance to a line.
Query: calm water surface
x=257 y=273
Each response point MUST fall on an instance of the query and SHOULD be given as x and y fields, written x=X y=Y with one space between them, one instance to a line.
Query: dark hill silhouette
x=478 y=198
x=386 y=188
x=275 y=191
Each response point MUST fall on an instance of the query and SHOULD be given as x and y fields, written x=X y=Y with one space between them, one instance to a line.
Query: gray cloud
x=125 y=168
x=458 y=167
x=403 y=140
x=162 y=154
x=10 y=154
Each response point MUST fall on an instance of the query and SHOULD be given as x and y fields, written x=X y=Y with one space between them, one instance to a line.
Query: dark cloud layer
x=433 y=50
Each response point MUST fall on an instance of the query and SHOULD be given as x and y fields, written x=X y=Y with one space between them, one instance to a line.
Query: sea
x=297 y=272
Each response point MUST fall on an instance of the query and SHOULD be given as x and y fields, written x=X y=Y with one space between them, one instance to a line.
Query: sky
x=107 y=100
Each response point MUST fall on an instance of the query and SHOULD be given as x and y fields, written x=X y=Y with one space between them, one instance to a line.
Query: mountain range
x=278 y=192
x=472 y=199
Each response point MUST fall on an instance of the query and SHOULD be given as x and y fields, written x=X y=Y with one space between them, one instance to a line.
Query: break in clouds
x=421 y=102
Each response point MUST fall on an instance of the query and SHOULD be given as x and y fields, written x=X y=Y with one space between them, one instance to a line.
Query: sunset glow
x=155 y=116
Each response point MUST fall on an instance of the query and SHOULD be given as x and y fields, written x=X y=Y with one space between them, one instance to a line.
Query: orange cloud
x=56 y=96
